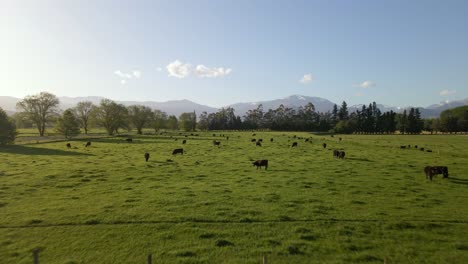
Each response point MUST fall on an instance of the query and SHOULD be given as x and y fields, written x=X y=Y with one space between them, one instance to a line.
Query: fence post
x=264 y=260
x=149 y=259
x=36 y=256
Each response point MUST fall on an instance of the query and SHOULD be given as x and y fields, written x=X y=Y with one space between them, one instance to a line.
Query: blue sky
x=221 y=52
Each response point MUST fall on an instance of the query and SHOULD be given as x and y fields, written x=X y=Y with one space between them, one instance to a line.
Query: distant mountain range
x=176 y=107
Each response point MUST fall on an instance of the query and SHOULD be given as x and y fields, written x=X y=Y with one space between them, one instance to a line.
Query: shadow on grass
x=360 y=159
x=25 y=150
x=458 y=181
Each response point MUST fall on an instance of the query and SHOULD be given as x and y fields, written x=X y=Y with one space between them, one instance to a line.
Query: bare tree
x=39 y=108
x=83 y=112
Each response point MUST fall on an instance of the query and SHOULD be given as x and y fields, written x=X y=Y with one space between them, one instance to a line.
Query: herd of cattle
x=430 y=171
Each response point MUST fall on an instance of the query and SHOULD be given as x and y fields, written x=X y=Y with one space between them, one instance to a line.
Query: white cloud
x=307 y=78
x=366 y=84
x=123 y=81
x=447 y=92
x=181 y=70
x=178 y=69
x=123 y=75
x=136 y=74
x=203 y=71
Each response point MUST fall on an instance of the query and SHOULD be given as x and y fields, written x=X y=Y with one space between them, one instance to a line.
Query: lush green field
x=105 y=204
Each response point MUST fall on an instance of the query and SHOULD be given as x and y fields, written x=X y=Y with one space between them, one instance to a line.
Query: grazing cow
x=324 y=145
x=214 y=135
x=429 y=150
x=294 y=144
x=421 y=149
x=294 y=136
x=216 y=143
x=260 y=163
x=260 y=140
x=340 y=139
x=178 y=151
x=341 y=155
x=332 y=135
x=184 y=141
x=147 y=156
x=434 y=170
x=185 y=136
x=271 y=139
x=68 y=145
x=409 y=146
x=253 y=140
x=227 y=138
x=253 y=135
x=88 y=144
x=306 y=140
x=258 y=144
x=402 y=147
x=415 y=146
x=129 y=140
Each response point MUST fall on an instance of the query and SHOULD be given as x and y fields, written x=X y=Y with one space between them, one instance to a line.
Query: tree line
x=41 y=111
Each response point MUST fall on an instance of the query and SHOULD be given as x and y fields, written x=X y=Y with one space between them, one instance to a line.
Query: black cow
x=227 y=138
x=253 y=140
x=429 y=150
x=68 y=145
x=340 y=139
x=216 y=143
x=415 y=146
x=88 y=144
x=271 y=139
x=260 y=140
x=178 y=151
x=258 y=144
x=253 y=135
x=260 y=163
x=147 y=156
x=324 y=145
x=335 y=153
x=402 y=147
x=306 y=140
x=184 y=141
x=294 y=144
x=434 y=170
x=129 y=139
x=421 y=149
x=341 y=155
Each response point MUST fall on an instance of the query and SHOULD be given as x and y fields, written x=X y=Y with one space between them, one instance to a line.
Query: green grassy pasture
x=105 y=204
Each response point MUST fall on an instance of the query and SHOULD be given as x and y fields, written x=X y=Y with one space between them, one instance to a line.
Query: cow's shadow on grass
x=26 y=150
x=458 y=180
x=360 y=159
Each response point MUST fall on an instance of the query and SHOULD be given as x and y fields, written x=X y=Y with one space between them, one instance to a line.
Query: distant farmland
x=105 y=204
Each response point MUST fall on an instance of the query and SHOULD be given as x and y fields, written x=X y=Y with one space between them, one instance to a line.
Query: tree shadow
x=25 y=150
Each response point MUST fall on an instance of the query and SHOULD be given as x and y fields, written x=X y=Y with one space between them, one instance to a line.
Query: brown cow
x=178 y=151
x=434 y=170
x=68 y=145
x=88 y=144
x=260 y=163
x=147 y=156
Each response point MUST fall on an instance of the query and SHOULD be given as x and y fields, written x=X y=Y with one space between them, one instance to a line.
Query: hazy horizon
x=219 y=53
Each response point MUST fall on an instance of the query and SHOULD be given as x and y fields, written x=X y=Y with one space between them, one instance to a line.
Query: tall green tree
x=140 y=116
x=111 y=116
x=83 y=112
x=7 y=129
x=40 y=109
x=172 y=122
x=343 y=113
x=186 y=121
x=159 y=120
x=68 y=124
